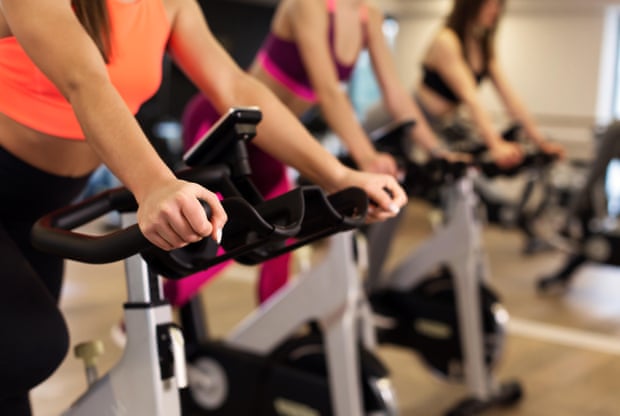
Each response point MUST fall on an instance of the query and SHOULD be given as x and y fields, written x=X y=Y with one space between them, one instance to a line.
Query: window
x=609 y=84
x=363 y=88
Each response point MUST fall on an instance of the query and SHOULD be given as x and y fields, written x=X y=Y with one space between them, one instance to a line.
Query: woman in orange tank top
x=72 y=75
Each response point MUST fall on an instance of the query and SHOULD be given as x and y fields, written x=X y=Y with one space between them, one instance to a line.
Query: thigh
x=32 y=324
x=46 y=267
x=268 y=173
x=32 y=194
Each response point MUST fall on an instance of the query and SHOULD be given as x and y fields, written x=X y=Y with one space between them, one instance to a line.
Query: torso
x=55 y=155
x=346 y=46
x=434 y=102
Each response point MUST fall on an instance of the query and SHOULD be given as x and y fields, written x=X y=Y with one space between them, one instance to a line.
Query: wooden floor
x=565 y=350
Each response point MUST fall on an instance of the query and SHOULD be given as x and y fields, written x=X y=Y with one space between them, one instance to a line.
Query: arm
x=309 y=24
x=397 y=100
x=518 y=111
x=280 y=133
x=446 y=56
x=169 y=214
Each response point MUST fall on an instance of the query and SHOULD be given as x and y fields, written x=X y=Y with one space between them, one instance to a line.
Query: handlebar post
x=146 y=289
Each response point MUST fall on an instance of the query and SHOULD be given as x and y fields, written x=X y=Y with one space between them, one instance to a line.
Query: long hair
x=462 y=18
x=93 y=14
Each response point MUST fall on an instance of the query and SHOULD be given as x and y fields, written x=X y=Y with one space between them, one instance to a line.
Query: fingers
x=508 y=155
x=174 y=216
x=158 y=240
x=459 y=157
x=169 y=232
x=377 y=215
x=388 y=196
x=554 y=150
x=217 y=217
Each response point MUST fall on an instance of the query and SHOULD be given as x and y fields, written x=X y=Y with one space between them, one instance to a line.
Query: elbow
x=239 y=89
x=79 y=82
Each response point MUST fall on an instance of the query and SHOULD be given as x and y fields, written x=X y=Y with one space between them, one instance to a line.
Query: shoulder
x=374 y=18
x=297 y=14
x=303 y=8
x=374 y=12
x=444 y=47
x=446 y=42
x=175 y=7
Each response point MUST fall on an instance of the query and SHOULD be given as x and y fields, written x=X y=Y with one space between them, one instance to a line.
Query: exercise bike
x=299 y=353
x=147 y=378
x=527 y=206
x=151 y=376
x=598 y=237
x=437 y=302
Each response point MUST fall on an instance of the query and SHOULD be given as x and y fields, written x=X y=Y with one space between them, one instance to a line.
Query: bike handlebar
x=257 y=229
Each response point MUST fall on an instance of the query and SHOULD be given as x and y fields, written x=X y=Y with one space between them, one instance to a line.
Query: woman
x=307 y=56
x=311 y=51
x=72 y=76
x=459 y=58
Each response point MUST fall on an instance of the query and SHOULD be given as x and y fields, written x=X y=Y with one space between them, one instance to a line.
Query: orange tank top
x=140 y=31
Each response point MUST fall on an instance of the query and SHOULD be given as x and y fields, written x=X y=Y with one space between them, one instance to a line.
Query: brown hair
x=461 y=19
x=93 y=14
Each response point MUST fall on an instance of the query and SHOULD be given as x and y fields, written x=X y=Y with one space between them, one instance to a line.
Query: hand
x=172 y=216
x=553 y=149
x=380 y=163
x=386 y=194
x=506 y=155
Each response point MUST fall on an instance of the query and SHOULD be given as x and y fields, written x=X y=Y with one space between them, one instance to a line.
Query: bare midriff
x=433 y=103
x=55 y=155
x=297 y=105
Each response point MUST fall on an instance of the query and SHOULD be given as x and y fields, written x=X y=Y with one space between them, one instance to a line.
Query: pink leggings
x=271 y=180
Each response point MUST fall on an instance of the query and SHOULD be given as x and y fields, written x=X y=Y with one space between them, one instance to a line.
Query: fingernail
x=394 y=208
x=218 y=235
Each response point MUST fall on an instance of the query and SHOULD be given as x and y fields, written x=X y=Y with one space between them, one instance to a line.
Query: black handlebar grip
x=50 y=234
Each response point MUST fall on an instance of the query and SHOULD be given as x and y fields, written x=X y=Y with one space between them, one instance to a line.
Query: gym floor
x=565 y=349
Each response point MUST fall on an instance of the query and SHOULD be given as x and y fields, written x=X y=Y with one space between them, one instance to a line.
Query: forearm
x=482 y=121
x=116 y=137
x=520 y=114
x=340 y=117
x=404 y=108
x=423 y=135
x=516 y=108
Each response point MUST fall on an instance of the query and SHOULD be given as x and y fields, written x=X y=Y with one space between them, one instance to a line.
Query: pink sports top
x=139 y=33
x=281 y=59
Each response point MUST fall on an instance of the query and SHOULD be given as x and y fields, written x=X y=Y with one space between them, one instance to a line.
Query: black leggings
x=34 y=337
